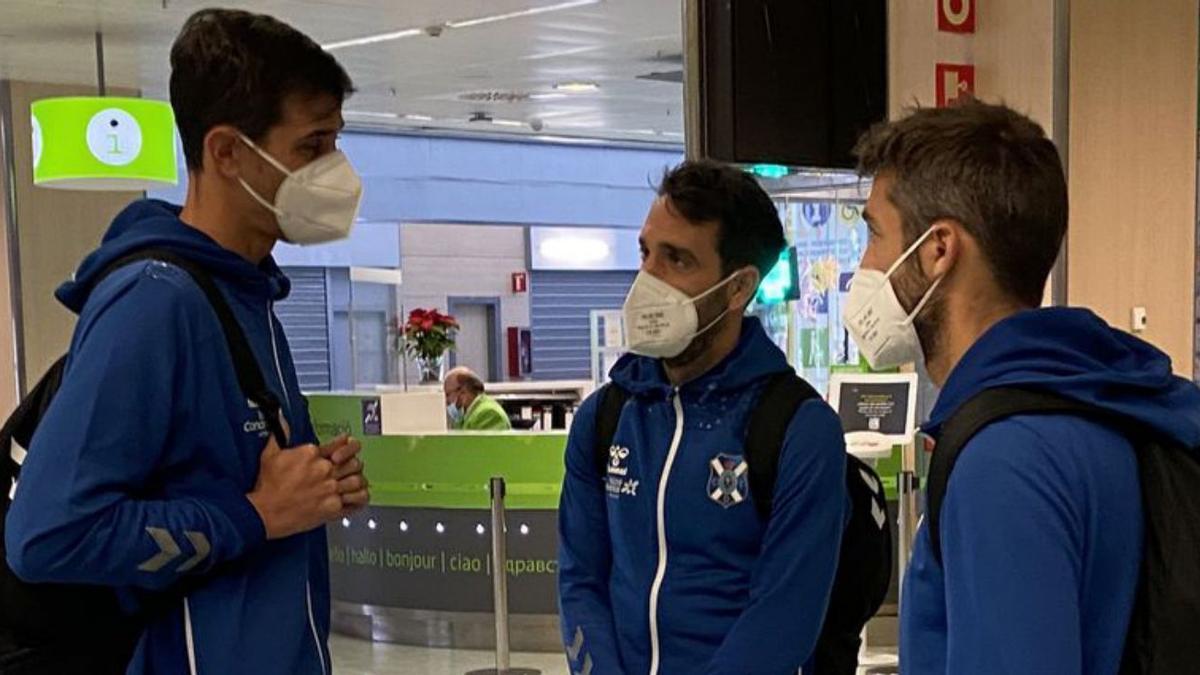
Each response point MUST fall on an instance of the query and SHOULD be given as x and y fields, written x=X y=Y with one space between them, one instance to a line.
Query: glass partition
x=373 y=310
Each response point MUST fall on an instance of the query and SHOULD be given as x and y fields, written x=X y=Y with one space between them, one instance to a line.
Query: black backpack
x=73 y=629
x=865 y=564
x=1162 y=631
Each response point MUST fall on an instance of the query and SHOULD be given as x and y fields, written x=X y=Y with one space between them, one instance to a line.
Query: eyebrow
x=681 y=252
x=324 y=132
x=872 y=224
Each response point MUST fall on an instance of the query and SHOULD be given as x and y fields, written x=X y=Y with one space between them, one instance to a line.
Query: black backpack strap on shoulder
x=249 y=374
x=608 y=416
x=970 y=418
x=781 y=397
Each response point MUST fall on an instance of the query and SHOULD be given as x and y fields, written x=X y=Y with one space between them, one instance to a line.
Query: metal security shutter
x=561 y=305
x=305 y=318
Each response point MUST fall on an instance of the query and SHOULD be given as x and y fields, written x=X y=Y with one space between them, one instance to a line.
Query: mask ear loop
x=716 y=286
x=264 y=154
x=921 y=305
x=908 y=253
x=933 y=287
x=270 y=160
x=705 y=294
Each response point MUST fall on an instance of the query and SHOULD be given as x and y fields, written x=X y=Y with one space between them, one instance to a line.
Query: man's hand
x=348 y=469
x=297 y=490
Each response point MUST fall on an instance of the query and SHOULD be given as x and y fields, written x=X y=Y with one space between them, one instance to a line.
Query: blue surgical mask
x=455 y=413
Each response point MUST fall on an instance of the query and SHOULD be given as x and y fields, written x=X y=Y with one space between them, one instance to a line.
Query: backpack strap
x=608 y=416
x=781 y=397
x=249 y=374
x=970 y=418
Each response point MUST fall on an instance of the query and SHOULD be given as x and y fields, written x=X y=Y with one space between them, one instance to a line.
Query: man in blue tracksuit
x=660 y=573
x=1041 y=526
x=151 y=469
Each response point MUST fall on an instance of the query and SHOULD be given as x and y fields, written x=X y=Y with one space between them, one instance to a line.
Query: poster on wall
x=830 y=238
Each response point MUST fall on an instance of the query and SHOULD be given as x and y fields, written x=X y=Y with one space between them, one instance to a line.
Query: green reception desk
x=415 y=566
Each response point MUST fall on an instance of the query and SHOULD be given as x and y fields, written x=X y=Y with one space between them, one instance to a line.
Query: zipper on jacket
x=313 y=625
x=189 y=638
x=656 y=588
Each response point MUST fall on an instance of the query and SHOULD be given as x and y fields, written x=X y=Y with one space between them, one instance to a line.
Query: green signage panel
x=446 y=470
x=103 y=143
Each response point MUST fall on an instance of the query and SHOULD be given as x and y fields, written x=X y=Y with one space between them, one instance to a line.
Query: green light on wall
x=103 y=143
x=781 y=283
x=769 y=170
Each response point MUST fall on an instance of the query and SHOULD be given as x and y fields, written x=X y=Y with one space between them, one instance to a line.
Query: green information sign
x=103 y=143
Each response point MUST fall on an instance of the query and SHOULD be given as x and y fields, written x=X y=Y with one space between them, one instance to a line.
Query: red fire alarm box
x=520 y=352
x=520 y=282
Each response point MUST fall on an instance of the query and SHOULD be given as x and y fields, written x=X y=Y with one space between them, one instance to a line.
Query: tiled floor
x=357 y=657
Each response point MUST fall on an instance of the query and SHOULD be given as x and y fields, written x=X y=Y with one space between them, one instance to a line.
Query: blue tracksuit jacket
x=137 y=475
x=662 y=571
x=1042 y=521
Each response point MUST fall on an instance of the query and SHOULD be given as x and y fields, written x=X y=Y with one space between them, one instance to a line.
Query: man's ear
x=222 y=148
x=744 y=286
x=948 y=240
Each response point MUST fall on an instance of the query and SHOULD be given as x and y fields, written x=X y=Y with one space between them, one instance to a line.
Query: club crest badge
x=728 y=483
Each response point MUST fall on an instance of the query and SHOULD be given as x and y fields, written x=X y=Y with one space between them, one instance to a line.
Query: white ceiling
x=608 y=42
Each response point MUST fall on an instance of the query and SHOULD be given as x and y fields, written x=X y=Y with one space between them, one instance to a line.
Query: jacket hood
x=1075 y=354
x=150 y=223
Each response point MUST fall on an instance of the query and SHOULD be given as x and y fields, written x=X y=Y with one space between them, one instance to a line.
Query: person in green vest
x=471 y=409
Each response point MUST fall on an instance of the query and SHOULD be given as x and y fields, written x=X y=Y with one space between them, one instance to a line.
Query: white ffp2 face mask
x=879 y=324
x=661 y=320
x=316 y=203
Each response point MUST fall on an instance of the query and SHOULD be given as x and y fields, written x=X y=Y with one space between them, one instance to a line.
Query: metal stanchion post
x=907 y=516
x=500 y=586
x=884 y=664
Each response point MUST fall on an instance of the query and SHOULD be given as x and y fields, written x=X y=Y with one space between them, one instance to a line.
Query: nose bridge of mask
x=667 y=295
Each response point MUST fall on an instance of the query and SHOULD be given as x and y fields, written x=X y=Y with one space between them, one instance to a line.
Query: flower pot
x=432 y=370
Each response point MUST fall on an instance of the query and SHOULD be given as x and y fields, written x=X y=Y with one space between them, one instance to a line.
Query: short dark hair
x=988 y=167
x=750 y=232
x=234 y=67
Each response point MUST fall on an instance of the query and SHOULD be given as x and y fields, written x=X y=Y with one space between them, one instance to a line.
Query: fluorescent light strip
x=418 y=118
x=576 y=87
x=465 y=23
x=372 y=39
x=522 y=13
x=368 y=113
x=508 y=123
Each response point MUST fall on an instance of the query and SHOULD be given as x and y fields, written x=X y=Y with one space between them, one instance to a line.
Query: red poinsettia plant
x=427 y=334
